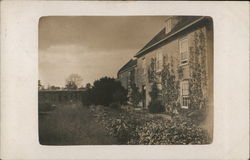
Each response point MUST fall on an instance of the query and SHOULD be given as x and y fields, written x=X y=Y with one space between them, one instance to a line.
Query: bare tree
x=74 y=81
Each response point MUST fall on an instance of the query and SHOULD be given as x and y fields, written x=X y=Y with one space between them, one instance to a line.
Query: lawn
x=72 y=124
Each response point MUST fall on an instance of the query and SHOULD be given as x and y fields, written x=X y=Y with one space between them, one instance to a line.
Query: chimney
x=170 y=23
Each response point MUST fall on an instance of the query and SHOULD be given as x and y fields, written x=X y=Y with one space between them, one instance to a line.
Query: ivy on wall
x=170 y=85
x=170 y=82
x=197 y=81
x=152 y=70
x=169 y=92
x=135 y=95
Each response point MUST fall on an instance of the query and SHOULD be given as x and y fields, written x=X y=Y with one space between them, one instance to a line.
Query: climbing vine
x=197 y=81
x=152 y=71
x=170 y=85
x=135 y=95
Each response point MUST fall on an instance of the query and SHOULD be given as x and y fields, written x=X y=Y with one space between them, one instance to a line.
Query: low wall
x=55 y=96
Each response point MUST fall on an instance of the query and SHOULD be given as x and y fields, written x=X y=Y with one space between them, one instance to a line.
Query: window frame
x=187 y=101
x=184 y=61
x=184 y=104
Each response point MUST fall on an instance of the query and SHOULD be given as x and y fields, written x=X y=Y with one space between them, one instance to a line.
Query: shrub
x=115 y=105
x=45 y=107
x=197 y=116
x=156 y=107
x=120 y=96
x=107 y=90
x=135 y=94
x=86 y=97
x=140 y=128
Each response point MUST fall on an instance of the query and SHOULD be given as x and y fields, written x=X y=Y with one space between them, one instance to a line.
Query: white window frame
x=184 y=96
x=183 y=61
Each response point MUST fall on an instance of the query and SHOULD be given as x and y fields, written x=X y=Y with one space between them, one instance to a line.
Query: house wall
x=124 y=78
x=171 y=51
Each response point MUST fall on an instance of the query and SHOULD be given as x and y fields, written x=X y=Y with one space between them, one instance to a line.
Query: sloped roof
x=184 y=21
x=130 y=63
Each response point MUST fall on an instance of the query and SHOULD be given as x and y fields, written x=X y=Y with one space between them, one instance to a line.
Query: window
x=185 y=70
x=159 y=61
x=143 y=65
x=185 y=102
x=184 y=94
x=168 y=26
x=184 y=50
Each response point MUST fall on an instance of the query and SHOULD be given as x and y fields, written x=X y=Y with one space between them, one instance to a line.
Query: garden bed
x=140 y=127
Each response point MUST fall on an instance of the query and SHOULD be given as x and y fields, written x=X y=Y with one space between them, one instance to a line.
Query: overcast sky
x=92 y=47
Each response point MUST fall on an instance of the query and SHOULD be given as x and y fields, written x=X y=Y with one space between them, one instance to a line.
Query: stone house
x=179 y=60
x=127 y=74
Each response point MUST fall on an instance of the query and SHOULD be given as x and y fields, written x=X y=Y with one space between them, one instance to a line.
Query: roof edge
x=185 y=27
x=124 y=70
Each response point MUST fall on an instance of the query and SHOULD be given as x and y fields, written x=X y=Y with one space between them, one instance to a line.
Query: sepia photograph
x=125 y=80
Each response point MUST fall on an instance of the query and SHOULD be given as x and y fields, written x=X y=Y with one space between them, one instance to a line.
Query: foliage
x=135 y=95
x=73 y=81
x=45 y=107
x=120 y=95
x=88 y=86
x=40 y=86
x=154 y=92
x=197 y=116
x=71 y=85
x=152 y=70
x=156 y=107
x=198 y=75
x=142 y=128
x=54 y=87
x=87 y=99
x=115 y=105
x=170 y=86
x=107 y=90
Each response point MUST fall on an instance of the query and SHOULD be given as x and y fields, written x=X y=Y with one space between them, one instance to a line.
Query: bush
x=135 y=96
x=115 y=105
x=87 y=97
x=46 y=107
x=197 y=116
x=140 y=128
x=156 y=107
x=120 y=96
x=107 y=90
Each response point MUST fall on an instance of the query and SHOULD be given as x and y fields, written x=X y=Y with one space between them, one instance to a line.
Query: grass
x=72 y=124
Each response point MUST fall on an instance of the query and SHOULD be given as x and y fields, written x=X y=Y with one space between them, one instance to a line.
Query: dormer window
x=168 y=26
